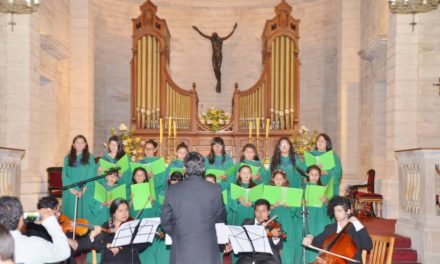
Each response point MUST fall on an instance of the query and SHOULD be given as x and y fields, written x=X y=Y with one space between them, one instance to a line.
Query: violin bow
x=270 y=220
x=334 y=254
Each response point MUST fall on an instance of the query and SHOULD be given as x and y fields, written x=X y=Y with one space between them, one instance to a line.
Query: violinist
x=339 y=208
x=101 y=241
x=262 y=212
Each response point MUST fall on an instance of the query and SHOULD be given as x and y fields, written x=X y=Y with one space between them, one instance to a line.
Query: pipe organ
x=154 y=94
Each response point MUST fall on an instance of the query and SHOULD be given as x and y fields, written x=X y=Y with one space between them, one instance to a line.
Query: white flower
x=221 y=122
x=304 y=128
x=209 y=122
x=122 y=127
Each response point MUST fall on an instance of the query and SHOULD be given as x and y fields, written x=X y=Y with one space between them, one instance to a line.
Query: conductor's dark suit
x=190 y=211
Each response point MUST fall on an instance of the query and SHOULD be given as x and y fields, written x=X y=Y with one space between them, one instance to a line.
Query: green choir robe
x=125 y=178
x=286 y=216
x=175 y=164
x=264 y=174
x=100 y=212
x=226 y=166
x=157 y=253
x=295 y=180
x=335 y=173
x=238 y=213
x=318 y=220
x=70 y=175
x=160 y=179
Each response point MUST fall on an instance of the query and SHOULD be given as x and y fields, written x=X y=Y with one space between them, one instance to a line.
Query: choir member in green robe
x=78 y=165
x=212 y=179
x=177 y=164
x=100 y=210
x=219 y=160
x=285 y=159
x=150 y=152
x=318 y=218
x=285 y=217
x=115 y=151
x=249 y=155
x=156 y=253
x=240 y=208
x=324 y=144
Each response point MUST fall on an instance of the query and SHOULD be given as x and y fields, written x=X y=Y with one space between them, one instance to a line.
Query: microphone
x=301 y=172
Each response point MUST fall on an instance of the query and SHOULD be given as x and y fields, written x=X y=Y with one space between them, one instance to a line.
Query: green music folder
x=217 y=173
x=251 y=194
x=141 y=192
x=102 y=195
x=225 y=196
x=291 y=196
x=123 y=163
x=327 y=160
x=314 y=194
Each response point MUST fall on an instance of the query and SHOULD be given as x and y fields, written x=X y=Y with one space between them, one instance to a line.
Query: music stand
x=249 y=239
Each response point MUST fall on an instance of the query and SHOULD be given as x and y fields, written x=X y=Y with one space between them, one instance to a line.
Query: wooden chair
x=368 y=202
x=379 y=252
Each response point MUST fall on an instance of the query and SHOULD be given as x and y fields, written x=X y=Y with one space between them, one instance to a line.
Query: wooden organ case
x=154 y=95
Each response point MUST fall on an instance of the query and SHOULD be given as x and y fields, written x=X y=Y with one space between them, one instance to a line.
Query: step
x=401 y=241
x=404 y=254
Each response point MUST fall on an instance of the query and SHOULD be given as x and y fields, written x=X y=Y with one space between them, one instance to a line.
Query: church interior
x=364 y=72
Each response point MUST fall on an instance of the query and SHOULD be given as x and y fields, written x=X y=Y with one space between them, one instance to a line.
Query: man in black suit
x=262 y=212
x=191 y=209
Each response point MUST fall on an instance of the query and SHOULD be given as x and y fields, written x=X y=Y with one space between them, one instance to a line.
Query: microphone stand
x=81 y=185
x=304 y=211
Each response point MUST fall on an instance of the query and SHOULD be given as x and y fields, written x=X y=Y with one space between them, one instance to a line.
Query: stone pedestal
x=10 y=171
x=419 y=218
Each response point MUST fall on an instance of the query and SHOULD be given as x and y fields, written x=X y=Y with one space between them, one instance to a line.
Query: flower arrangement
x=133 y=146
x=302 y=140
x=215 y=118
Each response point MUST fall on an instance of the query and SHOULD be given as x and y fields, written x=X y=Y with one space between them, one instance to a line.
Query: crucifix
x=217 y=57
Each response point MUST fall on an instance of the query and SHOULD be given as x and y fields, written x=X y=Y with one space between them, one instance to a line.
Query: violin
x=272 y=224
x=275 y=225
x=82 y=226
x=338 y=248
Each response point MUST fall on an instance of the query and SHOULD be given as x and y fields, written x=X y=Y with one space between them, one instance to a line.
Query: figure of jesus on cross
x=217 y=57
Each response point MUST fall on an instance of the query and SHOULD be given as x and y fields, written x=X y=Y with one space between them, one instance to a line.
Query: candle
x=267 y=127
x=257 y=122
x=169 y=126
x=250 y=129
x=160 y=131
x=175 y=129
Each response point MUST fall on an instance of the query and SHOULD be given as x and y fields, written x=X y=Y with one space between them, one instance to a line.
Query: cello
x=338 y=248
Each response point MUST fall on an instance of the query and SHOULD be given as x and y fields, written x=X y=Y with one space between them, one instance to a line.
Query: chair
x=368 y=202
x=54 y=181
x=379 y=253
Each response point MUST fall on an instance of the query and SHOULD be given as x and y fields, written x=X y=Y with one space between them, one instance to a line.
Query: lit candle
x=169 y=126
x=175 y=129
x=250 y=129
x=257 y=124
x=160 y=131
x=267 y=127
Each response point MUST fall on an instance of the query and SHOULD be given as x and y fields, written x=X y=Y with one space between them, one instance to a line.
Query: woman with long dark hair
x=219 y=160
x=150 y=156
x=284 y=158
x=115 y=152
x=79 y=165
x=324 y=144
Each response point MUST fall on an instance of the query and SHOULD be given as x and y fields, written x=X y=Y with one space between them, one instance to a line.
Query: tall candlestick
x=257 y=124
x=160 y=131
x=169 y=126
x=175 y=129
x=250 y=129
x=267 y=127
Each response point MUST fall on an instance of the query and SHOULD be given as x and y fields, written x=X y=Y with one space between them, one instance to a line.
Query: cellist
x=339 y=208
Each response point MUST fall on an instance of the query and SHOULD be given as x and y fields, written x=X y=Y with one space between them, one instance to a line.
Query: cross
x=12 y=23
x=413 y=23
x=437 y=84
